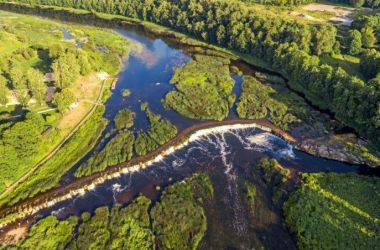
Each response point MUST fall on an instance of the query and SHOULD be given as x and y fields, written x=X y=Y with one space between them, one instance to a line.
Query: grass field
x=19 y=32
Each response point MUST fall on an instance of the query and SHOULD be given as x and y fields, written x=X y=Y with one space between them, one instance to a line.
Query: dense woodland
x=353 y=3
x=176 y=221
x=339 y=211
x=291 y=47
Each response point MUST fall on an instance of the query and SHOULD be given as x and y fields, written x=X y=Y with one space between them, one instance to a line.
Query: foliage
x=160 y=132
x=143 y=106
x=119 y=149
x=20 y=143
x=274 y=176
x=250 y=190
x=368 y=37
x=370 y=63
x=93 y=232
x=124 y=119
x=256 y=102
x=36 y=85
x=66 y=70
x=4 y=92
x=178 y=218
x=337 y=211
x=19 y=84
x=122 y=228
x=126 y=92
x=204 y=89
x=48 y=175
x=49 y=233
x=144 y=144
x=64 y=99
x=354 y=42
x=368 y=21
x=286 y=44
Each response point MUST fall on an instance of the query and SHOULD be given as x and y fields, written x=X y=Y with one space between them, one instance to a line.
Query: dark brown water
x=229 y=158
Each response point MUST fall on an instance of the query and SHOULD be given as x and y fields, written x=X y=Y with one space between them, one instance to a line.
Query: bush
x=204 y=89
x=124 y=119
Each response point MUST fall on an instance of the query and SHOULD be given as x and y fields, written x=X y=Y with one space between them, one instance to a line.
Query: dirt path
x=56 y=149
x=343 y=14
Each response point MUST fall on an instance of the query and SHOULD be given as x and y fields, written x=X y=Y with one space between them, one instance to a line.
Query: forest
x=324 y=210
x=289 y=46
x=326 y=203
x=176 y=221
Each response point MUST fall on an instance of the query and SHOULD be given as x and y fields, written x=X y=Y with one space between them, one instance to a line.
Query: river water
x=229 y=157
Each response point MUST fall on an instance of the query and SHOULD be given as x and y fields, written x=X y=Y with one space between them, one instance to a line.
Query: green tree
x=85 y=66
x=357 y=3
x=49 y=233
x=124 y=119
x=19 y=83
x=370 y=63
x=368 y=37
x=324 y=39
x=64 y=99
x=66 y=70
x=3 y=90
x=37 y=87
x=354 y=42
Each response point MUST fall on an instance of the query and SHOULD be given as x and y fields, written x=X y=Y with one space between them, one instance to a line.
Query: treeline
x=291 y=47
x=354 y=3
x=177 y=221
x=280 y=2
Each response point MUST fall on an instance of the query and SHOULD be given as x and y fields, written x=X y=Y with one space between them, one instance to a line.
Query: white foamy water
x=267 y=142
x=215 y=136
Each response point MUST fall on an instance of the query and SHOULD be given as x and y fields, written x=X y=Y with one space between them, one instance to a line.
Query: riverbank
x=80 y=186
x=355 y=151
x=29 y=207
x=179 y=38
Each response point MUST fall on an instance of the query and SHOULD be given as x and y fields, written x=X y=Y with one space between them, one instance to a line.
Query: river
x=227 y=155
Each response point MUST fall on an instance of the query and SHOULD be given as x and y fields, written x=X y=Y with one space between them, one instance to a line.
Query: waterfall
x=214 y=136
